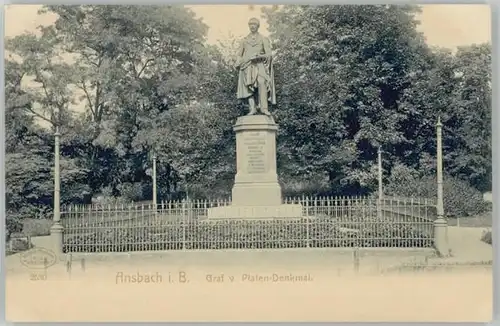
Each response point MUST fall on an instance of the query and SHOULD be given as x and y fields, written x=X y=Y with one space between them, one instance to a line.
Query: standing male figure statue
x=256 y=75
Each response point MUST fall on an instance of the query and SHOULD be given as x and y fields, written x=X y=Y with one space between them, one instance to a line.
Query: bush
x=18 y=245
x=37 y=227
x=305 y=186
x=131 y=191
x=487 y=237
x=460 y=199
x=13 y=225
x=103 y=201
x=17 y=220
x=247 y=234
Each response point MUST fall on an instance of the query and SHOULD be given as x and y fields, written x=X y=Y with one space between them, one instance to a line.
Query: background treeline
x=122 y=82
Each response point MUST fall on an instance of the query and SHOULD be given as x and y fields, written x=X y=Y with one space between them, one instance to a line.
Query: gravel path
x=466 y=245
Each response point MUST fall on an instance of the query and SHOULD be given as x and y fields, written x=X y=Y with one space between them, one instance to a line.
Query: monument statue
x=256 y=192
x=256 y=75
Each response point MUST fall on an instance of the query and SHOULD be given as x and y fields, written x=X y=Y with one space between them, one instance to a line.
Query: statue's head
x=253 y=24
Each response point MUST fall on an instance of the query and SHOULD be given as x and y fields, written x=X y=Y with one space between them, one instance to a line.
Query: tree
x=430 y=95
x=39 y=95
x=18 y=124
x=195 y=143
x=124 y=82
x=455 y=87
x=154 y=52
x=44 y=76
x=473 y=161
x=341 y=72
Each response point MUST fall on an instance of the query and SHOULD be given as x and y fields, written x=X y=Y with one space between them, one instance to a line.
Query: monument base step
x=256 y=212
x=256 y=194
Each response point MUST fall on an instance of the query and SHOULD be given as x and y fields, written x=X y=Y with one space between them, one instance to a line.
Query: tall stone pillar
x=440 y=224
x=256 y=180
x=56 y=230
x=256 y=192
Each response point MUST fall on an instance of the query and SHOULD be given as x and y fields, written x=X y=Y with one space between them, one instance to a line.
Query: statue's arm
x=268 y=51
x=239 y=54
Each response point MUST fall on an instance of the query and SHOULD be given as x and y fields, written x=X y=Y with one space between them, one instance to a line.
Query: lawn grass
x=34 y=227
x=483 y=220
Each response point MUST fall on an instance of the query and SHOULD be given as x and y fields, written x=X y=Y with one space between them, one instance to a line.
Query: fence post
x=440 y=224
x=356 y=258
x=380 y=188
x=185 y=203
x=155 y=199
x=305 y=202
x=56 y=231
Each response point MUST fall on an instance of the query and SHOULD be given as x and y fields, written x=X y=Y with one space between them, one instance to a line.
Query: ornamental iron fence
x=186 y=225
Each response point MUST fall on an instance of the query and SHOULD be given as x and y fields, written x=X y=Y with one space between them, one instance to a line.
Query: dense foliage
x=460 y=199
x=487 y=237
x=123 y=82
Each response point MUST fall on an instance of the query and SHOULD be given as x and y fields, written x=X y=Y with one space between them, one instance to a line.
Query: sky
x=445 y=25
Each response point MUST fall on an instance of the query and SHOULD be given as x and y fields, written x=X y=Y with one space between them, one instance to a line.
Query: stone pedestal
x=441 y=236
x=56 y=238
x=256 y=192
x=256 y=180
